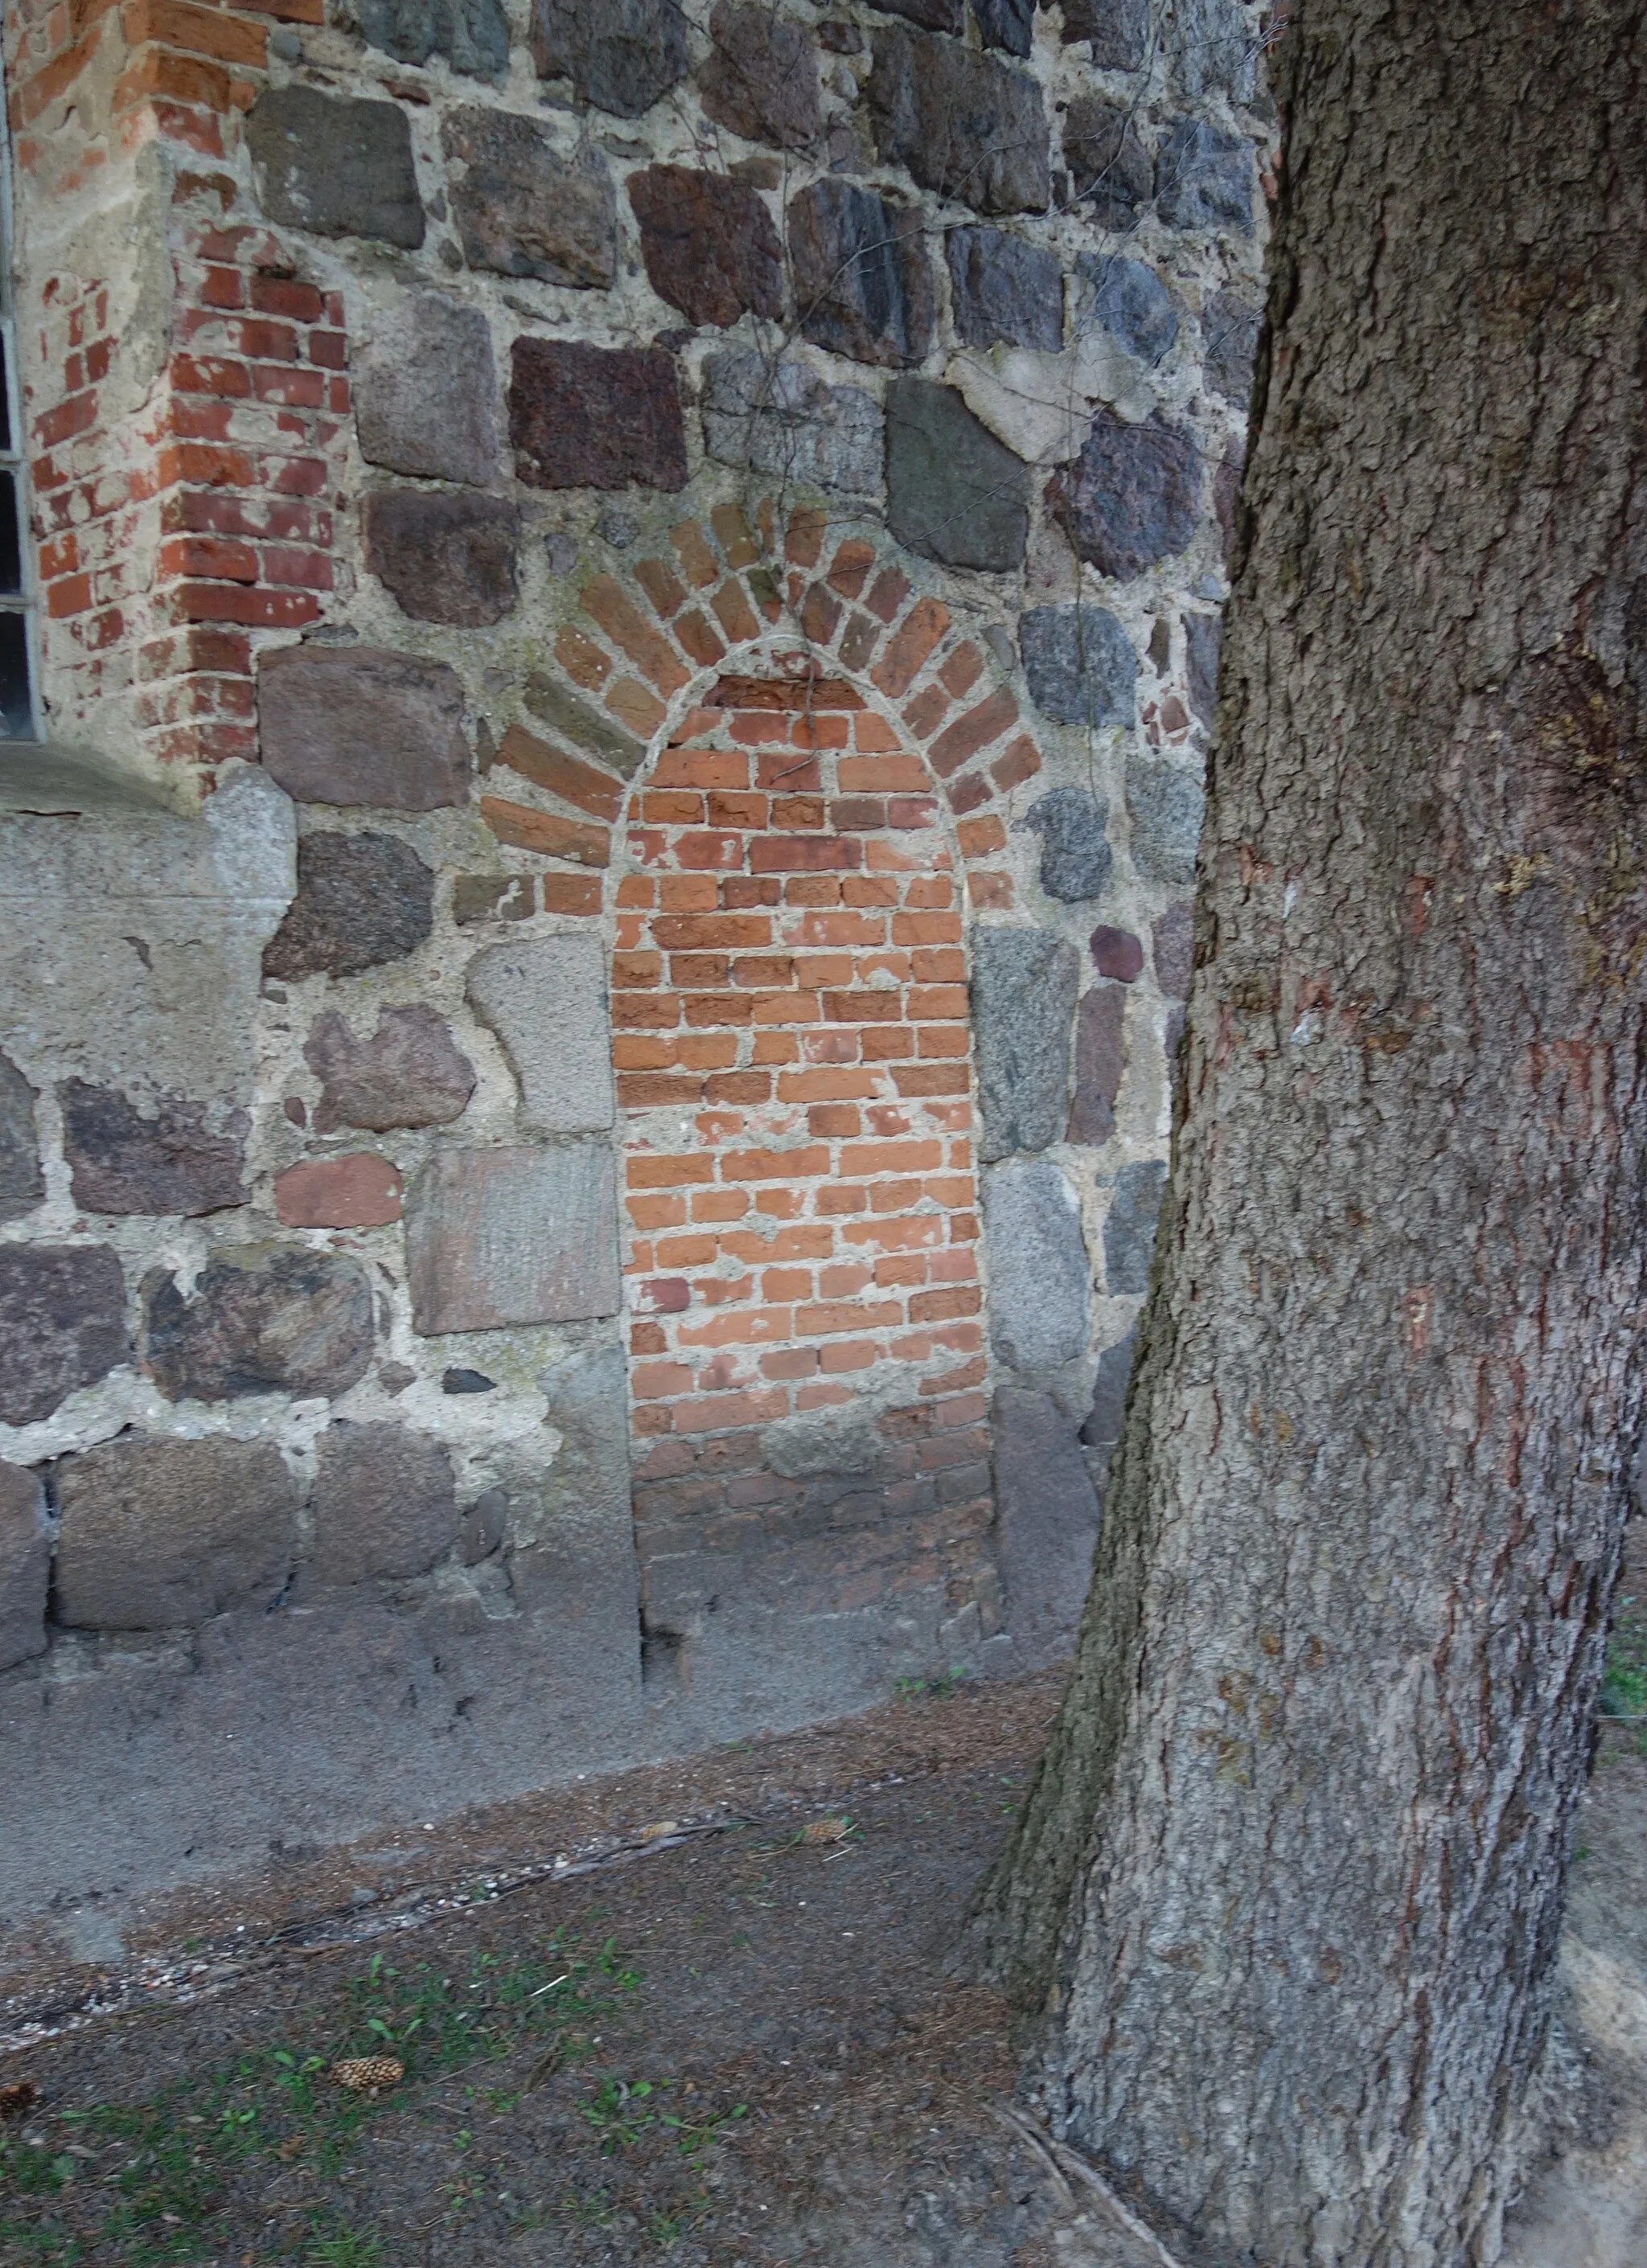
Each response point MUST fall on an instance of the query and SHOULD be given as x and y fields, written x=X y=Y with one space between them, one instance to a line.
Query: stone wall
x=579 y=1142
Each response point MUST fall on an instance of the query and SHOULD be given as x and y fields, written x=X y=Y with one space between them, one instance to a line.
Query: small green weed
x=1624 y=1680
x=943 y=1685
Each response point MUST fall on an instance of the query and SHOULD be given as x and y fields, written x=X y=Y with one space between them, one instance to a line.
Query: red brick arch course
x=787 y=873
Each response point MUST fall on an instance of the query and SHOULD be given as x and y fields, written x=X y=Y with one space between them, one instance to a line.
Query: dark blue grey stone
x=1204 y=178
x=1081 y=664
x=1165 y=805
x=1118 y=29
x=861 y=283
x=1023 y=1002
x=473 y=35
x=333 y=166
x=1203 y=635
x=1130 y=497
x=1009 y=24
x=1040 y=1279
x=1112 y=172
x=954 y=492
x=457 y=1380
x=1046 y=1522
x=1129 y=1231
x=1130 y=303
x=1211 y=48
x=619 y=55
x=1075 y=856
x=964 y=124
x=1229 y=331
x=1102 y=1428
x=1003 y=289
x=780 y=417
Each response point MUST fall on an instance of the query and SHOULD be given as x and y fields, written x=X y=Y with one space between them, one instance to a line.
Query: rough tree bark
x=1287 y=1890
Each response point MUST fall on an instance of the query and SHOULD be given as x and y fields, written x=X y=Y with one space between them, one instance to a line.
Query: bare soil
x=738 y=2041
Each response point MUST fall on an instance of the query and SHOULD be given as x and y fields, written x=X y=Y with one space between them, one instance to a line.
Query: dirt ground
x=733 y=2040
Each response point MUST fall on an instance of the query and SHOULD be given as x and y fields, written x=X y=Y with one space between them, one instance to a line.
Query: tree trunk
x=1287 y=1890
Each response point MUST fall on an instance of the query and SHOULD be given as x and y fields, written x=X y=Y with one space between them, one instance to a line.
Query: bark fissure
x=1287 y=1891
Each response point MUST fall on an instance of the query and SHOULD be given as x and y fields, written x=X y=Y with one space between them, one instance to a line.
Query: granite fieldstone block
x=1211 y=49
x=361 y=900
x=410 y=1072
x=761 y=79
x=954 y=492
x=1129 y=1226
x=501 y=1237
x=22 y=1178
x=780 y=417
x=861 y=282
x=425 y=391
x=445 y=558
x=1204 y=179
x=1023 y=1000
x=358 y=725
x=1039 y=1276
x=1101 y=1429
x=932 y=15
x=1100 y=1064
x=186 y=1157
x=1007 y=24
x=1002 y=288
x=262 y=1319
x=962 y=123
x=1129 y=499
x=1112 y=172
x=361 y=1191
x=62 y=1324
x=1116 y=953
x=1075 y=856
x=1165 y=805
x=25 y=1565
x=1130 y=303
x=334 y=165
x=1081 y=664
x=1117 y=30
x=1203 y=638
x=384 y=1504
x=1172 y=948
x=1046 y=1522
x=710 y=245
x=471 y=35
x=157 y=1535
x=596 y=417
x=546 y=1000
x=522 y=210
x=622 y=55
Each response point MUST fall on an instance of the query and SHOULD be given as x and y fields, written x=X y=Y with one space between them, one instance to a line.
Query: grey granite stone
x=356 y=725
x=1102 y=1428
x=1172 y=947
x=497 y=1237
x=1046 y=1522
x=1130 y=497
x=261 y=1319
x=446 y=557
x=182 y=1156
x=1165 y=805
x=780 y=417
x=1203 y=636
x=1004 y=290
x=1230 y=330
x=25 y=1565
x=761 y=78
x=1009 y=24
x=545 y=999
x=522 y=210
x=1023 y=1000
x=1100 y=1064
x=1130 y=303
x=1118 y=31
x=410 y=1072
x=62 y=1324
x=861 y=282
x=1112 y=172
x=1075 y=857
x=362 y=900
x=1211 y=49
x=157 y=1535
x=1080 y=664
x=1129 y=1228
x=471 y=35
x=384 y=1504
x=425 y=391
x=22 y=1180
x=621 y=55
x=1039 y=1276
x=1204 y=179
x=964 y=124
x=955 y=493
x=335 y=166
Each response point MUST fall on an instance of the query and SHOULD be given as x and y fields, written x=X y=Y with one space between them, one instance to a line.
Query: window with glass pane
x=16 y=685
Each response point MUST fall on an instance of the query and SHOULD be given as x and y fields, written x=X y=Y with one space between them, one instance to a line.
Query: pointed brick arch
x=788 y=882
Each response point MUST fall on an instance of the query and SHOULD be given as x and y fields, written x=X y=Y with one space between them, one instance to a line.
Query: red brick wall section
x=789 y=981
x=168 y=536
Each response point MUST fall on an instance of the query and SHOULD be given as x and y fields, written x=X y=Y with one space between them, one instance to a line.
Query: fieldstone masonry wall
x=580 y=1132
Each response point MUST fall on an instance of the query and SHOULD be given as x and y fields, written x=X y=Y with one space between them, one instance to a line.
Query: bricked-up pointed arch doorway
x=792 y=1053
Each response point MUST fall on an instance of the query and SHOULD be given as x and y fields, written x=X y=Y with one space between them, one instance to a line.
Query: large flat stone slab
x=1039 y=1275
x=522 y=210
x=160 y=1533
x=426 y=390
x=358 y=724
x=335 y=166
x=496 y=1237
x=954 y=492
x=780 y=417
x=863 y=286
x=710 y=246
x=1023 y=997
x=546 y=1000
